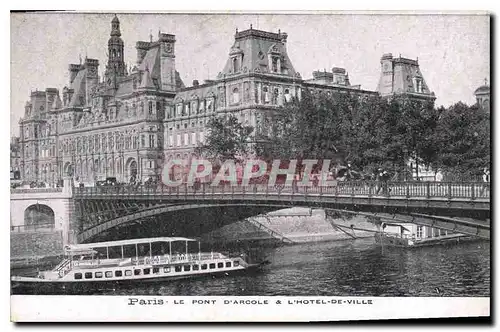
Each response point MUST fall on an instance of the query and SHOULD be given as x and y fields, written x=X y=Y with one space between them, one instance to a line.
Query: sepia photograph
x=250 y=160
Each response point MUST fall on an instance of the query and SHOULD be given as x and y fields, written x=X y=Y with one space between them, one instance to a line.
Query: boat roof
x=125 y=242
x=80 y=251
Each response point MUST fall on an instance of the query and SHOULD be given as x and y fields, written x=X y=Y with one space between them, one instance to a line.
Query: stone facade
x=126 y=125
x=15 y=158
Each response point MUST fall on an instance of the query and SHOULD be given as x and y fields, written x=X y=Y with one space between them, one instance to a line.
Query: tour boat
x=411 y=235
x=133 y=261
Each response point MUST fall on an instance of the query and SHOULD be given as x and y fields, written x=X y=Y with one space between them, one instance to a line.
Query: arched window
x=235 y=65
x=236 y=96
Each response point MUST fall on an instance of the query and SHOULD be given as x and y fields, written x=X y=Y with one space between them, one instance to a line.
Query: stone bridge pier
x=38 y=210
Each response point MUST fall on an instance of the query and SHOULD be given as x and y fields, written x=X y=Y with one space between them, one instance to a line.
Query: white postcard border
x=240 y=308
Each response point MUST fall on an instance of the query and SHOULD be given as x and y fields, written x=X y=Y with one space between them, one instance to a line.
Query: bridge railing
x=471 y=190
x=36 y=190
x=32 y=228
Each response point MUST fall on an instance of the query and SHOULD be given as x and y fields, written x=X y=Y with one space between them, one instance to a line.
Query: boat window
x=159 y=248
x=128 y=273
x=228 y=264
x=147 y=271
x=236 y=263
x=178 y=268
x=101 y=253
x=118 y=273
x=166 y=269
x=137 y=272
x=78 y=276
x=220 y=265
x=115 y=252
x=196 y=267
x=88 y=275
x=178 y=247
x=187 y=267
x=203 y=266
x=143 y=249
x=156 y=270
x=212 y=265
x=98 y=274
x=129 y=250
x=109 y=274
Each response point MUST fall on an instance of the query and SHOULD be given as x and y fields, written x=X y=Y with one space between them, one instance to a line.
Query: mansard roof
x=255 y=46
x=79 y=86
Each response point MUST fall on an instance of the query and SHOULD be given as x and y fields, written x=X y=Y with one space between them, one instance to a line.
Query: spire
x=150 y=35
x=115 y=27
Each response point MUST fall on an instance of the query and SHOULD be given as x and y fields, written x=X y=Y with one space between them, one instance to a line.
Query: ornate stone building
x=126 y=125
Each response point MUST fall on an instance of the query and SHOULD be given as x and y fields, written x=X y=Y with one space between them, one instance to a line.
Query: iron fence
x=471 y=190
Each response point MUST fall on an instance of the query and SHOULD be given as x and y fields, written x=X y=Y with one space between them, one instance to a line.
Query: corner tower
x=402 y=76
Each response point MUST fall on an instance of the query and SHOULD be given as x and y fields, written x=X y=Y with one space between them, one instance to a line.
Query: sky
x=453 y=50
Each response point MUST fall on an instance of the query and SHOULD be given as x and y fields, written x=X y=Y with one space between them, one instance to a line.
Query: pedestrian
x=439 y=176
x=385 y=178
x=378 y=180
x=486 y=181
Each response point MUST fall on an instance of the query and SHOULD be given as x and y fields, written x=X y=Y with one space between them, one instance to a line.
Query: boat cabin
x=136 y=251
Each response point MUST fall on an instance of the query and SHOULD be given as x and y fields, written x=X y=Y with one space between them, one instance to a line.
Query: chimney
x=142 y=48
x=73 y=71
x=196 y=83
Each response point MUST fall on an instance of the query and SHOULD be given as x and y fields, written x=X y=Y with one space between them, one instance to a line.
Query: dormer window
x=235 y=65
x=417 y=84
x=236 y=96
x=275 y=65
x=193 y=107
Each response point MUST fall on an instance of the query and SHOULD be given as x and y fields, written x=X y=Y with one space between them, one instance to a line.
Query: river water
x=348 y=268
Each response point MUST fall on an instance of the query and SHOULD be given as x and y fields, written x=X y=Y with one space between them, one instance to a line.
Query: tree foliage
x=369 y=132
x=227 y=139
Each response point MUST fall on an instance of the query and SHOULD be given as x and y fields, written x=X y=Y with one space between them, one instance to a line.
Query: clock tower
x=167 y=58
x=116 y=64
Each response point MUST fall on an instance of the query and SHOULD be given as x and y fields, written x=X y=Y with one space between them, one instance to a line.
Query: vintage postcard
x=326 y=166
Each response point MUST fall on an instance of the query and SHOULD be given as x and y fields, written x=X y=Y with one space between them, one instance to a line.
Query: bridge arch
x=243 y=211
x=39 y=214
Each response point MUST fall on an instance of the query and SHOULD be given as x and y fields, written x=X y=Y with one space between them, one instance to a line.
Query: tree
x=227 y=139
x=463 y=134
x=342 y=127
